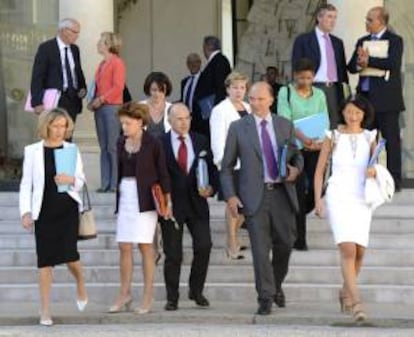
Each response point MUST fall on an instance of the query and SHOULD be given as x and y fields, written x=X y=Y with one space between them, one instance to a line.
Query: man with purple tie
x=327 y=52
x=266 y=197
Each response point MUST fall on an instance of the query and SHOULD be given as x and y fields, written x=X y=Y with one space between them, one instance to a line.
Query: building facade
x=157 y=36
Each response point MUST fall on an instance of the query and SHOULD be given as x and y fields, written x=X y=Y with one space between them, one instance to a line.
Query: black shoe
x=300 y=246
x=171 y=306
x=200 y=299
x=265 y=307
x=280 y=299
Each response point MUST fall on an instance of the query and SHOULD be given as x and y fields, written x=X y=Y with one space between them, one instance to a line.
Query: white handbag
x=380 y=189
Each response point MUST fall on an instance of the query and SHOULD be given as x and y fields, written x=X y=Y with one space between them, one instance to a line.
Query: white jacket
x=167 y=126
x=222 y=115
x=33 y=180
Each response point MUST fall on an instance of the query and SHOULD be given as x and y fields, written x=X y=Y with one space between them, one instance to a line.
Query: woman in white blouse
x=227 y=111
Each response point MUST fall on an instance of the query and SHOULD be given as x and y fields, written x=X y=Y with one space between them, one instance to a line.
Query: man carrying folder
x=57 y=66
x=377 y=58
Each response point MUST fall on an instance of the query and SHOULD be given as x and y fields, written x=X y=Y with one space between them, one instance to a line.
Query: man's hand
x=205 y=192
x=39 y=109
x=293 y=173
x=234 y=203
x=82 y=93
x=363 y=57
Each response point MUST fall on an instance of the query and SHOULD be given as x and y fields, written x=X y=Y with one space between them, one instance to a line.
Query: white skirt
x=132 y=225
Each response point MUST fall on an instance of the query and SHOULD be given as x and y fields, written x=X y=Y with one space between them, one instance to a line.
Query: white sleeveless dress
x=348 y=214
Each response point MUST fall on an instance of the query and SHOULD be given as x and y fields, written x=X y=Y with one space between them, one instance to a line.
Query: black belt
x=325 y=84
x=272 y=186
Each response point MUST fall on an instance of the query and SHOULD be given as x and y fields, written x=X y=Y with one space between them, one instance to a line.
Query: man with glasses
x=377 y=58
x=57 y=66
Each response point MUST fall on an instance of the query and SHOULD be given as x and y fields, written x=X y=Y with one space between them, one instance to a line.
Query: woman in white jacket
x=223 y=114
x=54 y=214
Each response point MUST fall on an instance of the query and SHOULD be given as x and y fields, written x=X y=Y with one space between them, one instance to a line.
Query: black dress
x=56 y=229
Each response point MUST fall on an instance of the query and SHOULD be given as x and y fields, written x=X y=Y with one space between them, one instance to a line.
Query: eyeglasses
x=73 y=31
x=368 y=20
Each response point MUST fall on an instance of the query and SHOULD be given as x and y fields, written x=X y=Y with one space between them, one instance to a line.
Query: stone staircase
x=314 y=277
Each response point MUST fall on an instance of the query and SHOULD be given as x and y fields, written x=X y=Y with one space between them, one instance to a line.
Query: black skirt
x=56 y=229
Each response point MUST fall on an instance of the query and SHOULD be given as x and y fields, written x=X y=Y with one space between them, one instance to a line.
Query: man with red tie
x=184 y=150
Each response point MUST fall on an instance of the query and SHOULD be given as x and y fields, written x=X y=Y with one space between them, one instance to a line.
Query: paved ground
x=221 y=319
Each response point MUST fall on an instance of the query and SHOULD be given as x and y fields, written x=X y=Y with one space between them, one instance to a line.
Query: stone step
x=379 y=225
x=220 y=274
x=323 y=240
x=232 y=292
x=313 y=257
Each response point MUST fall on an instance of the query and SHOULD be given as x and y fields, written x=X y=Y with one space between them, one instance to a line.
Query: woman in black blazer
x=141 y=164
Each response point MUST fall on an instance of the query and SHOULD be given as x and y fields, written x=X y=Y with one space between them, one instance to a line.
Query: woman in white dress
x=350 y=148
x=141 y=164
x=223 y=114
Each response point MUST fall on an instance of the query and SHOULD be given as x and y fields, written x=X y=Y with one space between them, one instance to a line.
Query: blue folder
x=313 y=126
x=379 y=148
x=65 y=161
x=206 y=104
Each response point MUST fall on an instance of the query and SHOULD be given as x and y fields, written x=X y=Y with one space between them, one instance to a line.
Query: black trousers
x=271 y=228
x=71 y=103
x=388 y=123
x=333 y=99
x=173 y=250
x=305 y=192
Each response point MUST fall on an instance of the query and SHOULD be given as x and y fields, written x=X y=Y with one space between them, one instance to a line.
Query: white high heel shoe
x=45 y=321
x=81 y=304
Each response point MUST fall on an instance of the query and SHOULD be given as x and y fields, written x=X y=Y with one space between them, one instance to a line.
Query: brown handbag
x=87 y=225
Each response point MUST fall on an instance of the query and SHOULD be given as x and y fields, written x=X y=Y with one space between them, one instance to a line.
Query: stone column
x=95 y=17
x=351 y=24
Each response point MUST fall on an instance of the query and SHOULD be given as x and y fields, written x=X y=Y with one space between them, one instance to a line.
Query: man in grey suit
x=267 y=199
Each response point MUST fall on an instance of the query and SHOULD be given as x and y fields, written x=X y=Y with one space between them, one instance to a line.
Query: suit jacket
x=185 y=198
x=33 y=180
x=211 y=81
x=47 y=70
x=306 y=45
x=150 y=168
x=222 y=116
x=243 y=143
x=385 y=95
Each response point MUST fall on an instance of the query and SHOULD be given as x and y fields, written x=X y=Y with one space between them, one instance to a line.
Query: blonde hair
x=235 y=76
x=112 y=41
x=48 y=117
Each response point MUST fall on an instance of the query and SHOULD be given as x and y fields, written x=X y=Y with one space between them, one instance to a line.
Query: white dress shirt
x=193 y=86
x=175 y=142
x=322 y=72
x=272 y=134
x=62 y=47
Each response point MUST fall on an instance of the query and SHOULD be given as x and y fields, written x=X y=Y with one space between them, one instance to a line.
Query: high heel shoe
x=358 y=313
x=234 y=255
x=124 y=306
x=81 y=304
x=142 y=311
x=45 y=320
x=344 y=303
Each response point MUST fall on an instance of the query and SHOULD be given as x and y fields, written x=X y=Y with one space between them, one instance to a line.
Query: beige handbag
x=87 y=225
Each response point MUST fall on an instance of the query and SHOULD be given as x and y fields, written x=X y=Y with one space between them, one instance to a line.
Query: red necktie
x=182 y=155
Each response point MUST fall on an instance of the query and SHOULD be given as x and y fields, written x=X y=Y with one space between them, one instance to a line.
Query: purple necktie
x=330 y=59
x=268 y=151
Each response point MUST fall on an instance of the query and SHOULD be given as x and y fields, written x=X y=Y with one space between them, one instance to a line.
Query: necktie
x=69 y=77
x=187 y=99
x=330 y=59
x=182 y=155
x=365 y=80
x=268 y=151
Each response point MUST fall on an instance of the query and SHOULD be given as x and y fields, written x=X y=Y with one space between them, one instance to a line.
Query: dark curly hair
x=161 y=80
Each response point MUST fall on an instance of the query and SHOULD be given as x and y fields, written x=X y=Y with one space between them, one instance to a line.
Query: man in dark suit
x=327 y=53
x=57 y=65
x=267 y=197
x=183 y=152
x=189 y=83
x=210 y=89
x=383 y=89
